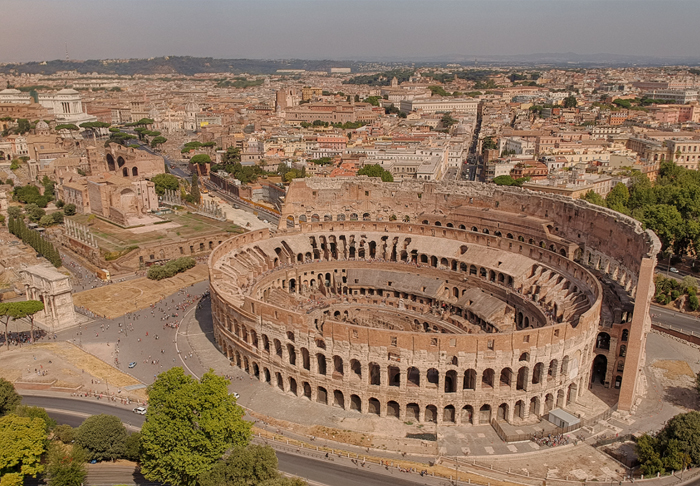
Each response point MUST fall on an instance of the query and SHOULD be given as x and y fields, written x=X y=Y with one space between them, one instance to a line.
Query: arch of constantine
x=454 y=303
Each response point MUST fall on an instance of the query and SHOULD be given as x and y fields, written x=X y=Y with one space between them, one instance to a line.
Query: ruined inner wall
x=458 y=375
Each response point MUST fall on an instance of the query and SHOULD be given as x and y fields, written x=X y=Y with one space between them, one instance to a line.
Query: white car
x=140 y=410
x=236 y=395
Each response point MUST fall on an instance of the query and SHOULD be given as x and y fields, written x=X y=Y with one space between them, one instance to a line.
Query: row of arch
x=452 y=413
x=449 y=381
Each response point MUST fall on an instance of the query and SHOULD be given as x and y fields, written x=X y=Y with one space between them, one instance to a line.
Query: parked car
x=673 y=270
x=236 y=395
x=132 y=364
x=140 y=410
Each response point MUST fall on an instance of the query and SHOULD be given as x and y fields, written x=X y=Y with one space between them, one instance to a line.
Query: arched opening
x=523 y=378
x=537 y=374
x=392 y=409
x=448 y=414
x=321 y=364
x=306 y=359
x=322 y=395
x=338 y=399
x=431 y=413
x=373 y=406
x=451 y=381
x=487 y=378
x=355 y=403
x=125 y=172
x=307 y=390
x=433 y=376
x=111 y=166
x=485 y=414
x=548 y=403
x=469 y=380
x=120 y=161
x=293 y=386
x=625 y=335
x=356 y=369
x=134 y=171
x=519 y=409
x=506 y=377
x=603 y=341
x=467 y=414
x=413 y=412
x=280 y=381
x=600 y=369
x=337 y=366
x=366 y=217
x=534 y=406
x=413 y=377
x=291 y=352
x=502 y=413
x=374 y=374
x=394 y=376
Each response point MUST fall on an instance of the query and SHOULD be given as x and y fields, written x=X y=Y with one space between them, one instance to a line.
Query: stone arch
x=485 y=414
x=134 y=171
x=413 y=377
x=431 y=414
x=413 y=412
x=373 y=406
x=320 y=363
x=469 y=382
x=449 y=415
x=111 y=166
x=338 y=399
x=502 y=412
x=506 y=377
x=467 y=415
x=487 y=378
x=322 y=395
x=120 y=161
x=451 y=381
x=519 y=409
x=292 y=386
x=392 y=409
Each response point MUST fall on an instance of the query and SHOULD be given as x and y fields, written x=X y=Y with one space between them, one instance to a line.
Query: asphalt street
x=678 y=320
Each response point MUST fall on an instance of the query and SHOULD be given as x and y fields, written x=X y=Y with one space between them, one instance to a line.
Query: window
x=556 y=333
x=393 y=341
x=526 y=339
x=489 y=344
x=433 y=341
x=354 y=333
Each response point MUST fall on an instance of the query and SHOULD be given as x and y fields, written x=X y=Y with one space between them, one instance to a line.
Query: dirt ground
x=679 y=383
x=61 y=365
x=580 y=462
x=119 y=298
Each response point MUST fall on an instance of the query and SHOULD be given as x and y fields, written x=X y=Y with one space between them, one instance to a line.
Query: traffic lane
x=332 y=474
x=82 y=408
x=661 y=315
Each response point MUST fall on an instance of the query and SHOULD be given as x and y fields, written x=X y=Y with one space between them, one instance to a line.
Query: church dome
x=191 y=106
x=42 y=125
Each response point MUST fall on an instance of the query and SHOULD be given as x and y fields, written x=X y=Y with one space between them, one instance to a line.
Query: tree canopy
x=247 y=466
x=376 y=170
x=165 y=182
x=201 y=159
x=102 y=436
x=675 y=446
x=23 y=442
x=66 y=467
x=189 y=426
x=570 y=102
x=506 y=180
x=9 y=398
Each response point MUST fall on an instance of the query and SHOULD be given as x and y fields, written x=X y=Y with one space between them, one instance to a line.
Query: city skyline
x=343 y=30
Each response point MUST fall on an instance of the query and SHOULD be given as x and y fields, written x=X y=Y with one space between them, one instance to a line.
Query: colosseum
x=451 y=303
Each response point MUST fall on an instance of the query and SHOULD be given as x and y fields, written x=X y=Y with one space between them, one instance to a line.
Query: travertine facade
x=452 y=303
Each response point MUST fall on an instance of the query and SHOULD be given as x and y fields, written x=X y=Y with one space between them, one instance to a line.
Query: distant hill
x=174 y=65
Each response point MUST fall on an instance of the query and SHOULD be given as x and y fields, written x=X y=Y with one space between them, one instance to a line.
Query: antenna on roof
x=67 y=58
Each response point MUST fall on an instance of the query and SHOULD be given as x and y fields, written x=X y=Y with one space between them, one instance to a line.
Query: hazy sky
x=345 y=29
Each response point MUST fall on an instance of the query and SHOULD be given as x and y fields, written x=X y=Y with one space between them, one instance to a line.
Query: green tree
x=244 y=466
x=165 y=182
x=189 y=426
x=504 y=180
x=9 y=398
x=194 y=189
x=648 y=455
x=201 y=159
x=14 y=212
x=64 y=433
x=447 y=120
x=23 y=442
x=132 y=447
x=617 y=198
x=570 y=102
x=488 y=144
x=102 y=436
x=685 y=429
x=157 y=141
x=594 y=198
x=35 y=412
x=27 y=308
x=66 y=467
x=666 y=221
x=376 y=170
x=69 y=209
x=23 y=126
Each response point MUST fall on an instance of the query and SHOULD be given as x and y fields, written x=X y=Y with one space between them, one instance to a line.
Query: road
x=325 y=471
x=678 y=320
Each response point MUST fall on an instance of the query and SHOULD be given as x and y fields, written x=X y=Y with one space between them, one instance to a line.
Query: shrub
x=171 y=268
x=102 y=436
x=693 y=302
x=675 y=294
x=69 y=209
x=64 y=433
